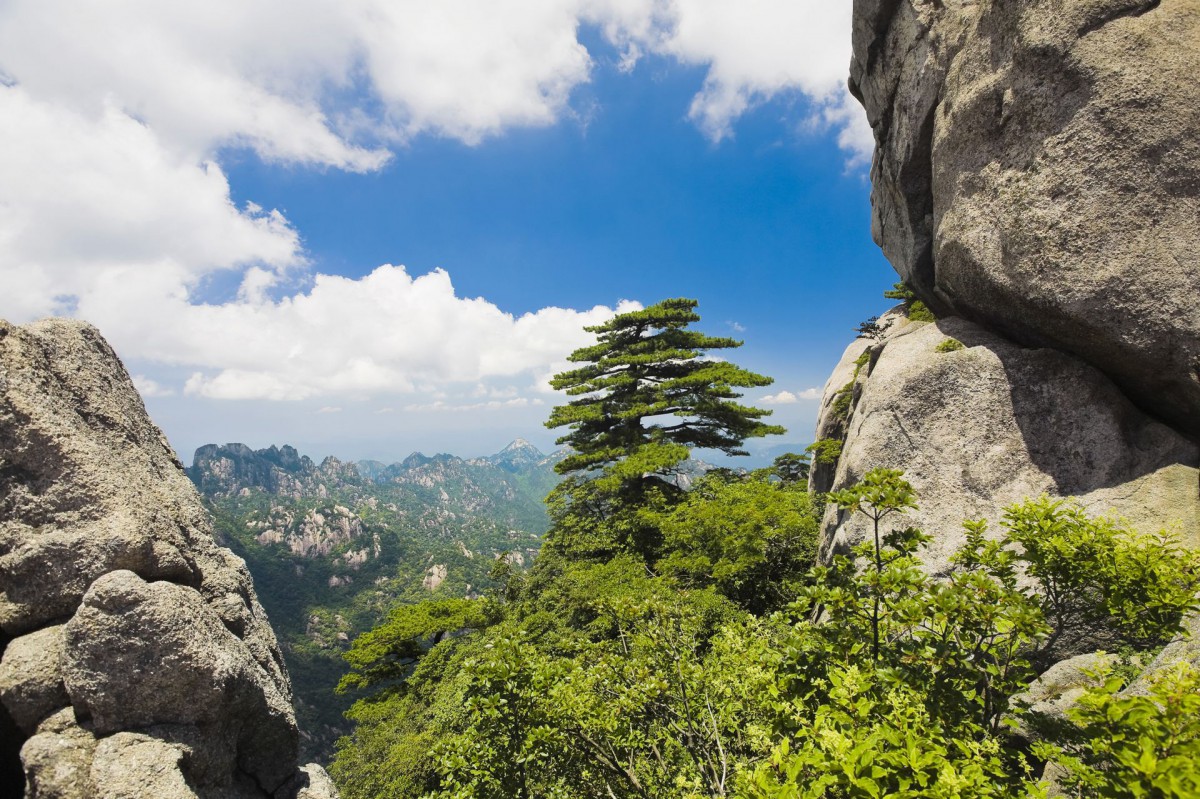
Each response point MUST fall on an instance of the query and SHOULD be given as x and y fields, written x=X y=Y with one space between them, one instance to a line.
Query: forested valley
x=672 y=642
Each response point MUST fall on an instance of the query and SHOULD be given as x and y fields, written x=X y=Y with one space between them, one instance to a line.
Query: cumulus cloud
x=386 y=333
x=303 y=80
x=780 y=398
x=755 y=50
x=150 y=388
x=791 y=397
x=114 y=207
x=88 y=201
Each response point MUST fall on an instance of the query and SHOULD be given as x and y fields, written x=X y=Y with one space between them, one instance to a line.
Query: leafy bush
x=827 y=450
x=871 y=329
x=950 y=345
x=840 y=407
x=750 y=539
x=1134 y=746
x=914 y=309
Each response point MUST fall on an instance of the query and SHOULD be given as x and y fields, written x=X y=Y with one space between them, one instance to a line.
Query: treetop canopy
x=648 y=382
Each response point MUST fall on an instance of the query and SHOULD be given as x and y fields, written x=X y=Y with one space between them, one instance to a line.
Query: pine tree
x=647 y=394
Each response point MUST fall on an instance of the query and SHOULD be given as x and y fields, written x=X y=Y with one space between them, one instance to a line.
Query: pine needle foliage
x=646 y=388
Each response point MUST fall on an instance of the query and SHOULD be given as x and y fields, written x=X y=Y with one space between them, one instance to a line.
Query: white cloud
x=91 y=199
x=114 y=206
x=150 y=388
x=329 y=409
x=781 y=398
x=386 y=333
x=756 y=50
x=440 y=406
x=790 y=397
x=288 y=78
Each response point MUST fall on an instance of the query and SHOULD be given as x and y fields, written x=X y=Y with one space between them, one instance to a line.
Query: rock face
x=1037 y=171
x=135 y=659
x=991 y=423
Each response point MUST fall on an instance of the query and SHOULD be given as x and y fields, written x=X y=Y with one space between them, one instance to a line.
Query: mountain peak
x=517 y=455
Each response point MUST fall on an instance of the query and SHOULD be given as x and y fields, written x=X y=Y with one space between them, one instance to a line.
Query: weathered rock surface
x=981 y=427
x=1060 y=687
x=1038 y=171
x=135 y=659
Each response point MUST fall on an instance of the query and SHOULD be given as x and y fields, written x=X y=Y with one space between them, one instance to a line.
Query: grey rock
x=58 y=760
x=311 y=783
x=1184 y=649
x=134 y=766
x=191 y=671
x=994 y=423
x=31 y=683
x=117 y=604
x=1037 y=171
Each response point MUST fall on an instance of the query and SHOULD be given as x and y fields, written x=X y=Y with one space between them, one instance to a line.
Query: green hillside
x=332 y=546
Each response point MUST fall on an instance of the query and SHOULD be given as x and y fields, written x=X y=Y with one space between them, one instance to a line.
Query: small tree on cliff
x=646 y=394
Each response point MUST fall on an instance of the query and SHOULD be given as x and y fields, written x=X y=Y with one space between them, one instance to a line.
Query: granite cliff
x=1037 y=171
x=135 y=658
x=1036 y=184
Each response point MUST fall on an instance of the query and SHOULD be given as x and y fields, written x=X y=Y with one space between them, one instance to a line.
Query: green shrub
x=914 y=309
x=950 y=345
x=1135 y=746
x=827 y=450
x=840 y=408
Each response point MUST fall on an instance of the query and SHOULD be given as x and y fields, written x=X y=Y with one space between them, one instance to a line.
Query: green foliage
x=632 y=715
x=388 y=652
x=914 y=309
x=1093 y=573
x=844 y=396
x=919 y=312
x=792 y=467
x=840 y=407
x=871 y=329
x=620 y=677
x=871 y=739
x=900 y=291
x=950 y=345
x=827 y=450
x=676 y=644
x=647 y=366
x=1134 y=745
x=750 y=539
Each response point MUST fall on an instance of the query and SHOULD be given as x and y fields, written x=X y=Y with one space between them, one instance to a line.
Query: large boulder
x=1038 y=171
x=135 y=658
x=990 y=423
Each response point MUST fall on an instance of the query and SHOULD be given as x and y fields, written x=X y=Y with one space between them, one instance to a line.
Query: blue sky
x=378 y=237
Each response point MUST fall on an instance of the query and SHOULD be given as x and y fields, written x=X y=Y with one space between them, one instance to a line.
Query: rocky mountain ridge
x=1036 y=184
x=334 y=545
x=135 y=658
x=1037 y=172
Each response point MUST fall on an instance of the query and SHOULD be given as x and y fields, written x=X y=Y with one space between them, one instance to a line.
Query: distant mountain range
x=334 y=545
